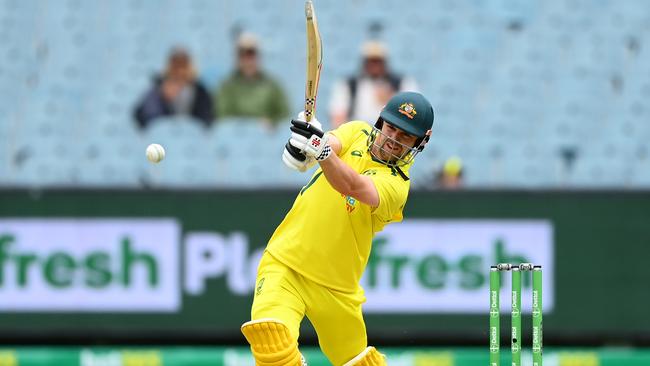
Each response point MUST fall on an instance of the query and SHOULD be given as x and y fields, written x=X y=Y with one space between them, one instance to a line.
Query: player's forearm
x=340 y=175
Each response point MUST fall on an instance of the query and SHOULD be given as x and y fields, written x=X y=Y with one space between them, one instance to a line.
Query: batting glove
x=309 y=139
x=294 y=159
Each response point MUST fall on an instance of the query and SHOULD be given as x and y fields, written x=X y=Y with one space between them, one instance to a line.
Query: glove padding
x=310 y=140
x=294 y=159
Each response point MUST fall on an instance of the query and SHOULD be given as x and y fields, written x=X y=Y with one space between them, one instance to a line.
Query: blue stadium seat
x=39 y=161
x=561 y=76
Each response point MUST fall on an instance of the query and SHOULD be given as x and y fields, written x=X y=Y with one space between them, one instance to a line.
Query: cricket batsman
x=314 y=261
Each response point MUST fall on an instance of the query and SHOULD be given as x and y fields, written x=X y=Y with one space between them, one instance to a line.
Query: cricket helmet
x=412 y=113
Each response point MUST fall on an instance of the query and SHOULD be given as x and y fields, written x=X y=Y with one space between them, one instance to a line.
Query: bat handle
x=310 y=107
x=308 y=116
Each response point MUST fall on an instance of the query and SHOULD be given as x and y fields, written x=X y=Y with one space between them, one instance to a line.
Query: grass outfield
x=239 y=356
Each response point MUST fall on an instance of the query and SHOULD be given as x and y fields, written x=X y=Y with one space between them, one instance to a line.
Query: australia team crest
x=408 y=110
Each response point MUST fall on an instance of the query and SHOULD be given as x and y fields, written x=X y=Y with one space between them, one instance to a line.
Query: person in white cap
x=362 y=96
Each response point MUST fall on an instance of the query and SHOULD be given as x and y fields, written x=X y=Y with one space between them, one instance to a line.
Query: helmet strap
x=421 y=142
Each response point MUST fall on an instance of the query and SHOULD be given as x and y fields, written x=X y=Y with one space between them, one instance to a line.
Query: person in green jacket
x=249 y=91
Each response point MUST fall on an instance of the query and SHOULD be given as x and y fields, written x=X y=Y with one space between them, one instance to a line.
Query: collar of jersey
x=392 y=167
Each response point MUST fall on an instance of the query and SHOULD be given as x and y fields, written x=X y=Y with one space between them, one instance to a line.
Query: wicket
x=495 y=312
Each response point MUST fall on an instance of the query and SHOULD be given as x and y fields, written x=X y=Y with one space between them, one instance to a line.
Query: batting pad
x=271 y=343
x=369 y=357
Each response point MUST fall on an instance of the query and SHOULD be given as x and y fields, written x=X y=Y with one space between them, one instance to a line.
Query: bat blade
x=314 y=60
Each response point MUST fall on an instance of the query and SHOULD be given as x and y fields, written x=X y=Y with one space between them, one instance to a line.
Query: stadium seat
x=499 y=74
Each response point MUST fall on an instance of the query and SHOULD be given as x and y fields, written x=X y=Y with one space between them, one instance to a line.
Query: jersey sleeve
x=393 y=192
x=348 y=132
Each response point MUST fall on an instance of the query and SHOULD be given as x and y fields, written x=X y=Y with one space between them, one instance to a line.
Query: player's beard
x=387 y=150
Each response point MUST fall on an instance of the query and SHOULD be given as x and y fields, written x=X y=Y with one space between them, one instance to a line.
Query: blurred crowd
x=251 y=93
x=247 y=92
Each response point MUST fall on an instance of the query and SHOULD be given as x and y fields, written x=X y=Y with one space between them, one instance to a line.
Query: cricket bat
x=314 y=60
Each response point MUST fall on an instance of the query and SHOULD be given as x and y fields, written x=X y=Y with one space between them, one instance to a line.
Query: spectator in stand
x=249 y=91
x=451 y=174
x=176 y=92
x=362 y=96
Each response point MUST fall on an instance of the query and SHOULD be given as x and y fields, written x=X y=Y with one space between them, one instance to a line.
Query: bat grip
x=310 y=107
x=308 y=116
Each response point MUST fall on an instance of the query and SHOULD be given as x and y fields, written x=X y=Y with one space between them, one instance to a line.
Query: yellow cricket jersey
x=326 y=236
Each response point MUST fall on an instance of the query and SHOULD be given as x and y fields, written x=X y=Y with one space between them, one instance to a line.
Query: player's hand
x=309 y=139
x=294 y=159
x=314 y=121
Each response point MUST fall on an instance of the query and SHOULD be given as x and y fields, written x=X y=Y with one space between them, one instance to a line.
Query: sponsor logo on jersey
x=350 y=203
